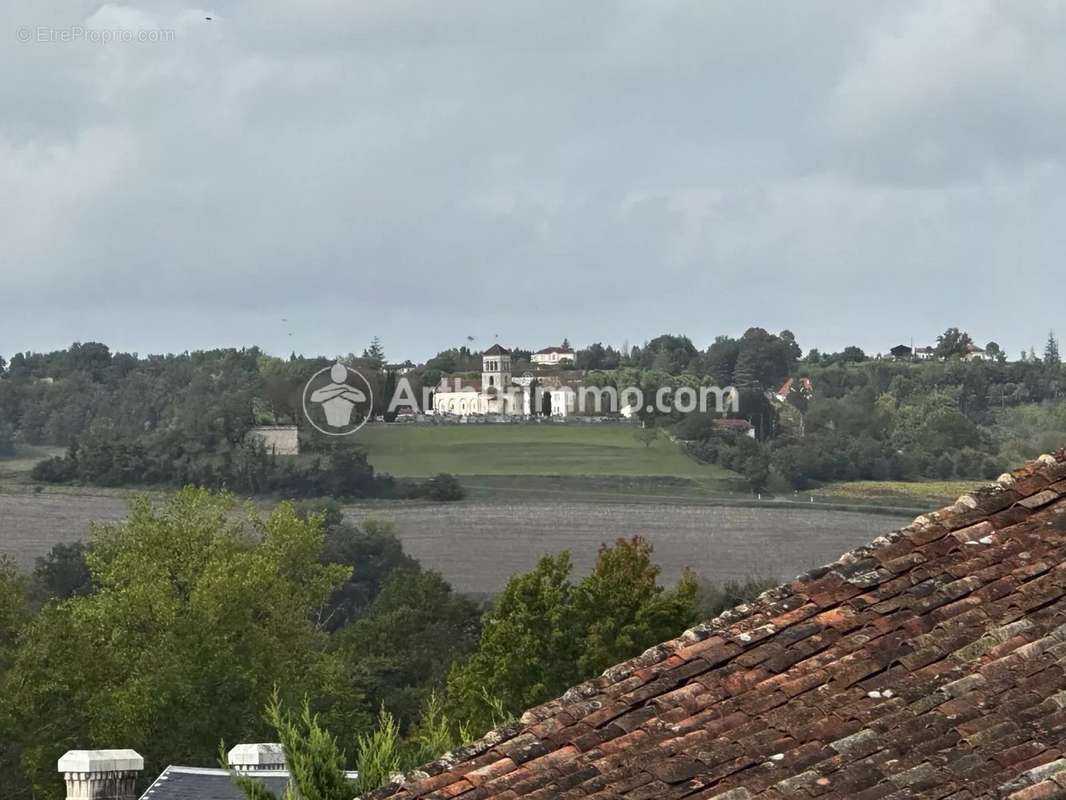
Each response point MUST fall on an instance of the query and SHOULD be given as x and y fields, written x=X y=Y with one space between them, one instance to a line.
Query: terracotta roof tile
x=930 y=664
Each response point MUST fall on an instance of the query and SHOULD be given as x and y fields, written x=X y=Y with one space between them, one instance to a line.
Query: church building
x=498 y=392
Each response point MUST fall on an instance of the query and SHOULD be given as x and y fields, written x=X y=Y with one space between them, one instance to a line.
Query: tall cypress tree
x=1051 y=351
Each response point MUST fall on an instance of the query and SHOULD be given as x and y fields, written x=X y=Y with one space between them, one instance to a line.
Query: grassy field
x=922 y=493
x=560 y=450
x=17 y=467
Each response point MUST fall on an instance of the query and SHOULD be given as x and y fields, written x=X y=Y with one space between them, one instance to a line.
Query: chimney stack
x=101 y=774
x=261 y=757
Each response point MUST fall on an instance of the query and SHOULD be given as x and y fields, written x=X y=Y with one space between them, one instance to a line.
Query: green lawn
x=26 y=456
x=924 y=493
x=595 y=450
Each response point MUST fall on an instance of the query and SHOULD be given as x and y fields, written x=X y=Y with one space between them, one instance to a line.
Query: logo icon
x=337 y=400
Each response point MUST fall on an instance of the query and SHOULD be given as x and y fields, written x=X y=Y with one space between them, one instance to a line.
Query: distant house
x=802 y=385
x=902 y=352
x=736 y=425
x=975 y=353
x=279 y=440
x=551 y=356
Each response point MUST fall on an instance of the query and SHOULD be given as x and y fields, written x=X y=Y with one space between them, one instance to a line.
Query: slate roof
x=203 y=783
x=200 y=783
x=929 y=664
x=497 y=350
x=550 y=350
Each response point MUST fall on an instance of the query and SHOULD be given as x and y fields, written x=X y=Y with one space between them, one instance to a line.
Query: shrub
x=7 y=440
x=58 y=469
x=444 y=488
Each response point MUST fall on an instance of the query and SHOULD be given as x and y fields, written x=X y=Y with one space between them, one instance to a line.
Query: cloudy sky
x=308 y=175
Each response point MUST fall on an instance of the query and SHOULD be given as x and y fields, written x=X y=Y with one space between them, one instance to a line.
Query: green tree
x=852 y=355
x=1051 y=352
x=372 y=552
x=953 y=343
x=719 y=362
x=14 y=615
x=793 y=352
x=402 y=647
x=444 y=487
x=315 y=762
x=64 y=571
x=667 y=353
x=528 y=649
x=197 y=612
x=7 y=439
x=621 y=610
x=375 y=352
x=379 y=755
x=545 y=634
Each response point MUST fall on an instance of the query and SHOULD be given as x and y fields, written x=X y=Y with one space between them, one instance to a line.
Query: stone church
x=498 y=391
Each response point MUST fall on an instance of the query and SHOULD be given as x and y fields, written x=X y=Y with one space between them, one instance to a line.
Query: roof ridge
x=749 y=623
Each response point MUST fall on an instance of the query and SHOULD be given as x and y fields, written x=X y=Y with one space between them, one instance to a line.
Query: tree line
x=175 y=629
x=185 y=420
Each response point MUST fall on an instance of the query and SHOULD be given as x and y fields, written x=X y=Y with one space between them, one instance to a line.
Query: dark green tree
x=953 y=343
x=375 y=352
x=64 y=571
x=1051 y=352
x=545 y=634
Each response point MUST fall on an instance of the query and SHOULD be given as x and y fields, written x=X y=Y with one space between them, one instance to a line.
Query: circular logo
x=338 y=400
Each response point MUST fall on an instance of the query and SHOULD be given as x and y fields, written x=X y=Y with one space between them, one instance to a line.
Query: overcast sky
x=858 y=172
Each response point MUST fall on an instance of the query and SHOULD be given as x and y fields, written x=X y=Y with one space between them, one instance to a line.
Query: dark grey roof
x=204 y=783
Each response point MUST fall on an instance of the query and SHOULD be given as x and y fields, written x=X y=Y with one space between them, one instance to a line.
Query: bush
x=444 y=488
x=64 y=572
x=713 y=599
x=7 y=440
x=694 y=427
x=54 y=470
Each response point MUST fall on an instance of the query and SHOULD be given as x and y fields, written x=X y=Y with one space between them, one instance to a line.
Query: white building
x=553 y=356
x=498 y=391
x=279 y=440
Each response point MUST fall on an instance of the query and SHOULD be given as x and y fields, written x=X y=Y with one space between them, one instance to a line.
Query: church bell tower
x=495 y=368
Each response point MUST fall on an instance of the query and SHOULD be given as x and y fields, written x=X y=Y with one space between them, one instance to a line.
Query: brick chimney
x=101 y=774
x=261 y=757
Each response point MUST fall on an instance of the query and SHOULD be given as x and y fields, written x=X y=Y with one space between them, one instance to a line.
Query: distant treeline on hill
x=179 y=420
x=185 y=418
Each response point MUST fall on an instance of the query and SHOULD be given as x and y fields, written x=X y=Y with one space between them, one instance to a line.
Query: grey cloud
x=857 y=172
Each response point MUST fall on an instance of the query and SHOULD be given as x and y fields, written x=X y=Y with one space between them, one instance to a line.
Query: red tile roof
x=733 y=424
x=929 y=664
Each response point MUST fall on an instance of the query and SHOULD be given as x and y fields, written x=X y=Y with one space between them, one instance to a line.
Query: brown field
x=31 y=523
x=477 y=544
